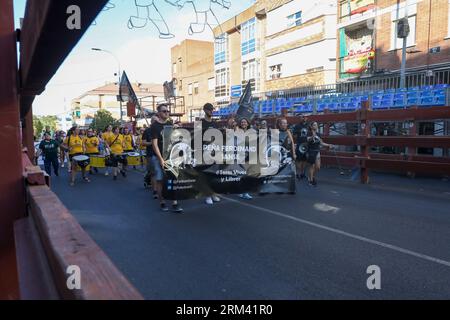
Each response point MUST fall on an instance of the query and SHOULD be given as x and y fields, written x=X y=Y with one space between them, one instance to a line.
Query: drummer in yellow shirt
x=91 y=143
x=128 y=141
x=105 y=135
x=74 y=144
x=116 y=144
x=141 y=145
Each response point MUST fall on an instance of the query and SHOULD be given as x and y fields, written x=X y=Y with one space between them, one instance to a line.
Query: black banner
x=187 y=178
x=126 y=91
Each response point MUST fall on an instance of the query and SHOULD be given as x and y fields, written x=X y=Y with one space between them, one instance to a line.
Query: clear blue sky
x=144 y=56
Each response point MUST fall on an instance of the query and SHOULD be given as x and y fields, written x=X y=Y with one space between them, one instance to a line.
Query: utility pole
x=119 y=75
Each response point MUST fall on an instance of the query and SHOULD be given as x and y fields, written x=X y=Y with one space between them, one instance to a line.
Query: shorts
x=302 y=157
x=158 y=172
x=313 y=156
x=150 y=169
x=116 y=159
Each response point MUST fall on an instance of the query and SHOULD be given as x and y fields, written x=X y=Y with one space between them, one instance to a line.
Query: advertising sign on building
x=359 y=62
x=361 y=6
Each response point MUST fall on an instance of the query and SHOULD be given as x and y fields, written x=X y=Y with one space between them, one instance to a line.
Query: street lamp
x=119 y=74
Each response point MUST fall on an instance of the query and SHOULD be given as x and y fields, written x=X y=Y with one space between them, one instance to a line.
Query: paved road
x=315 y=245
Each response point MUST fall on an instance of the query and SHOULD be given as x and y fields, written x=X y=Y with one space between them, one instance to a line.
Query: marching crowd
x=115 y=145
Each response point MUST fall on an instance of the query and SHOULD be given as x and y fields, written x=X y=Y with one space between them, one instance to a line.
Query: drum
x=98 y=161
x=82 y=162
x=134 y=159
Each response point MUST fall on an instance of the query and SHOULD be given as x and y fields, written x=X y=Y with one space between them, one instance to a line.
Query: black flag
x=245 y=104
x=126 y=91
x=169 y=90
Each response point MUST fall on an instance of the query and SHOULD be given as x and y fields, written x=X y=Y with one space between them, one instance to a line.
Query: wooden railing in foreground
x=50 y=240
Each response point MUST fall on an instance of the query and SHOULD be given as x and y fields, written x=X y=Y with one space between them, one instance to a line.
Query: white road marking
x=344 y=233
x=325 y=208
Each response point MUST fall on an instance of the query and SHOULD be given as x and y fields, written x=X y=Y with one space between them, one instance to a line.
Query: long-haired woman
x=244 y=125
x=313 y=158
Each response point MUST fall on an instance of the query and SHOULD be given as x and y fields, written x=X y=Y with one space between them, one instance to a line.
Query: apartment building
x=239 y=55
x=275 y=45
x=300 y=43
x=193 y=71
x=368 y=43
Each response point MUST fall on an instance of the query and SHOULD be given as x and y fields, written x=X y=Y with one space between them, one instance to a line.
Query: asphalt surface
x=317 y=244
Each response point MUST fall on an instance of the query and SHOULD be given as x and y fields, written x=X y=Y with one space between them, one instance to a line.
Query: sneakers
x=155 y=195
x=245 y=196
x=62 y=165
x=211 y=200
x=106 y=173
x=312 y=183
x=176 y=208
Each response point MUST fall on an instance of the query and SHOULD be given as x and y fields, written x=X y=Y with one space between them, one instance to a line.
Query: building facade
x=105 y=97
x=193 y=71
x=368 y=44
x=239 y=55
x=300 y=43
x=275 y=45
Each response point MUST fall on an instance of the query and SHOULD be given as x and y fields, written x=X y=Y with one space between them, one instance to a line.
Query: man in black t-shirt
x=209 y=123
x=300 y=132
x=157 y=160
x=49 y=149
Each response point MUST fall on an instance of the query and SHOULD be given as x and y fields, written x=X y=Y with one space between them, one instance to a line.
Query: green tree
x=38 y=126
x=40 y=122
x=102 y=119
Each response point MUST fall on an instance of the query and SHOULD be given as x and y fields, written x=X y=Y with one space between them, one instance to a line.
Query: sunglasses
x=164 y=111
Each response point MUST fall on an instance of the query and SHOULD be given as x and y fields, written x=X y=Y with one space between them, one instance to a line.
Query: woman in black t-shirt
x=313 y=157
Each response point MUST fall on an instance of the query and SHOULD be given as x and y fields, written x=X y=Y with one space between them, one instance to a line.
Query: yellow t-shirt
x=141 y=145
x=91 y=144
x=75 y=144
x=116 y=145
x=128 y=142
x=106 y=135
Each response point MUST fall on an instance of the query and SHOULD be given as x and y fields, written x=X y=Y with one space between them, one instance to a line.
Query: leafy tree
x=102 y=119
x=37 y=126
x=40 y=122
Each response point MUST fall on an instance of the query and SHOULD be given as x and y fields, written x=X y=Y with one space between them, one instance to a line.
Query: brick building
x=368 y=43
x=193 y=69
